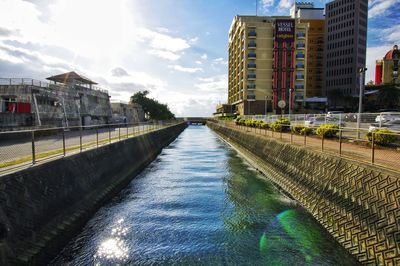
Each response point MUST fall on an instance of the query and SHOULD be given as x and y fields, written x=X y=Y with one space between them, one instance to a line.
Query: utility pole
x=362 y=71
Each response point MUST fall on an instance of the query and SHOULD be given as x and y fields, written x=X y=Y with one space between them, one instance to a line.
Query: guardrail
x=377 y=148
x=27 y=147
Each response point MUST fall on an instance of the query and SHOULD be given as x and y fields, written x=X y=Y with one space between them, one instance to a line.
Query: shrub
x=327 y=130
x=382 y=137
x=301 y=130
x=264 y=125
x=237 y=120
x=280 y=125
x=250 y=123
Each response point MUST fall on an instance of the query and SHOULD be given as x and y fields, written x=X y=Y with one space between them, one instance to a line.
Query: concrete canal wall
x=42 y=207
x=357 y=203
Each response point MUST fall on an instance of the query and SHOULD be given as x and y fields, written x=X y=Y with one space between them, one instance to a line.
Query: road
x=52 y=145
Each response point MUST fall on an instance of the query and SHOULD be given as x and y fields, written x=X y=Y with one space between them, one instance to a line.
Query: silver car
x=387 y=116
x=393 y=125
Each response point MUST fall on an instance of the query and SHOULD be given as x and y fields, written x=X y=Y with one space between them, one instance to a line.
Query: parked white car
x=318 y=121
x=387 y=116
x=393 y=125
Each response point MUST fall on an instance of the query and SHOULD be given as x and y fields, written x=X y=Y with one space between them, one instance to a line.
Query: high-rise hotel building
x=346 y=40
x=276 y=59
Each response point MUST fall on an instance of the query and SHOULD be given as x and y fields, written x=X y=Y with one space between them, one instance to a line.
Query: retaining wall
x=357 y=203
x=42 y=207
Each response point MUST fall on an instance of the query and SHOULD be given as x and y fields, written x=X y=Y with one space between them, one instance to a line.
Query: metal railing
x=43 y=84
x=27 y=147
x=348 y=120
x=381 y=149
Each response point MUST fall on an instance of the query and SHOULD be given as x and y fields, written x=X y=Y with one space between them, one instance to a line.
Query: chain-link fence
x=377 y=147
x=26 y=147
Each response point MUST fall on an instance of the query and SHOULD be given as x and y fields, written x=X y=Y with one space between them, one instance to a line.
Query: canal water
x=200 y=203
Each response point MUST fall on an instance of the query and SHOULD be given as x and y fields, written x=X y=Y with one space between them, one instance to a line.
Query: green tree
x=151 y=107
x=389 y=97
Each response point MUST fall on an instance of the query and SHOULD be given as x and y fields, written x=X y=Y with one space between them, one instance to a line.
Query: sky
x=176 y=49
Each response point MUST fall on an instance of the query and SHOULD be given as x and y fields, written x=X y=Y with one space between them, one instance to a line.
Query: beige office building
x=250 y=63
x=268 y=61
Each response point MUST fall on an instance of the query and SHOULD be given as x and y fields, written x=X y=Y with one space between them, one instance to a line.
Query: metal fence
x=348 y=120
x=352 y=143
x=43 y=84
x=27 y=147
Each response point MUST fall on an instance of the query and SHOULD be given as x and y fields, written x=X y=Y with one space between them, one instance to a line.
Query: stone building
x=70 y=100
x=126 y=112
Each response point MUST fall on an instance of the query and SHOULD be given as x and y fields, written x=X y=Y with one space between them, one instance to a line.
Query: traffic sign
x=282 y=104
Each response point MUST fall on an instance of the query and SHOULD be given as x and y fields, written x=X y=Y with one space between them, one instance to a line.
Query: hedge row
x=381 y=136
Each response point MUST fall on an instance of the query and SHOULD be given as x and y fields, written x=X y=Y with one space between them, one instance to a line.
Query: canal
x=200 y=203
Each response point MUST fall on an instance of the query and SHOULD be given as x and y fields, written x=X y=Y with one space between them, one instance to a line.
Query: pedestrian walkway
x=348 y=148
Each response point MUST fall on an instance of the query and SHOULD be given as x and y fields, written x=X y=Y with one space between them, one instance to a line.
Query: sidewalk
x=380 y=156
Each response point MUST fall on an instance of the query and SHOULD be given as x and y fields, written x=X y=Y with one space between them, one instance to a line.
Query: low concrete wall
x=41 y=208
x=357 y=203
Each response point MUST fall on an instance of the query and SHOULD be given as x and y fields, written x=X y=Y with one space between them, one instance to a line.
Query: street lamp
x=266 y=105
x=362 y=71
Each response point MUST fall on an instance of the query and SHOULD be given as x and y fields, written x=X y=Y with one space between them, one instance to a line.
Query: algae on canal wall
x=357 y=203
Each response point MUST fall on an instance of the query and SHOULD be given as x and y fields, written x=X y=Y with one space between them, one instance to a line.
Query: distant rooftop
x=71 y=77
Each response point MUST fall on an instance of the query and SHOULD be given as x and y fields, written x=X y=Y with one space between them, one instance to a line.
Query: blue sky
x=176 y=49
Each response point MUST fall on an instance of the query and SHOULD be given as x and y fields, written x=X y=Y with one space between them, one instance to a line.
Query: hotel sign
x=284 y=30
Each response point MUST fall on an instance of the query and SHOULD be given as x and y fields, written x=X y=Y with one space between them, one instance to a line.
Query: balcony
x=251 y=55
x=251 y=76
x=299 y=77
x=251 y=86
x=252 y=45
x=300 y=46
x=252 y=34
x=300 y=66
x=251 y=65
x=300 y=35
x=300 y=56
x=299 y=87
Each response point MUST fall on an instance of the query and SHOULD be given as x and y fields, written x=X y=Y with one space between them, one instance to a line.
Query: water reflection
x=199 y=203
x=113 y=248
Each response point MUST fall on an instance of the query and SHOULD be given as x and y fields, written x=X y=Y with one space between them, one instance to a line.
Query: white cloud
x=185 y=69
x=265 y=4
x=194 y=40
x=165 y=54
x=204 y=57
x=379 y=7
x=286 y=4
x=391 y=34
x=216 y=84
x=198 y=62
x=163 y=46
x=162 y=41
x=220 y=61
